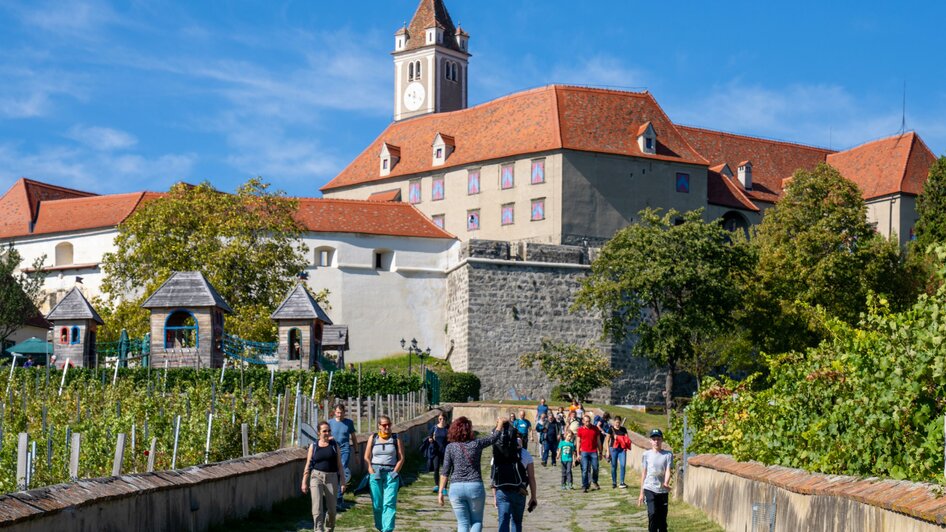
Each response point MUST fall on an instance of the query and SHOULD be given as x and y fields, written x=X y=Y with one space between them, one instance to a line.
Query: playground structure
x=187 y=329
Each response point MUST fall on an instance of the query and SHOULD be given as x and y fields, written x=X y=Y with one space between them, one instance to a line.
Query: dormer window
x=745 y=175
x=390 y=155
x=434 y=35
x=647 y=139
x=443 y=146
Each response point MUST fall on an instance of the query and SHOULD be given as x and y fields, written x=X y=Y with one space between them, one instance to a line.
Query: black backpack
x=508 y=473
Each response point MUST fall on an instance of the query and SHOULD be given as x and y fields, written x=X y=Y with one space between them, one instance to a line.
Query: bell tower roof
x=432 y=14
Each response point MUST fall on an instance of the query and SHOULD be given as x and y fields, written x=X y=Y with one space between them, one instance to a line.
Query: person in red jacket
x=589 y=448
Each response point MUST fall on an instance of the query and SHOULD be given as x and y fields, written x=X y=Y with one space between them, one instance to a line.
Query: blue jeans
x=589 y=469
x=468 y=500
x=346 y=454
x=510 y=505
x=618 y=456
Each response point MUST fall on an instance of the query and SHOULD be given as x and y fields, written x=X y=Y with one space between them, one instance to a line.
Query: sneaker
x=564 y=487
x=584 y=490
x=595 y=485
x=622 y=486
x=571 y=486
x=614 y=486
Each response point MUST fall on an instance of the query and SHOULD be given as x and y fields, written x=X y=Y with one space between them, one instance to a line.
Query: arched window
x=295 y=344
x=416 y=69
x=75 y=335
x=324 y=256
x=181 y=330
x=64 y=255
x=64 y=336
x=410 y=72
x=735 y=221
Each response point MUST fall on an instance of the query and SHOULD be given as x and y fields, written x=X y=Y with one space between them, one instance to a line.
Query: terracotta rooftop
x=87 y=213
x=19 y=205
x=431 y=14
x=322 y=215
x=900 y=163
x=533 y=121
x=772 y=160
x=721 y=190
x=386 y=195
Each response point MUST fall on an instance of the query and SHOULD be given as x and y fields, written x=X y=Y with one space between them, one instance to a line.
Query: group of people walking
x=454 y=455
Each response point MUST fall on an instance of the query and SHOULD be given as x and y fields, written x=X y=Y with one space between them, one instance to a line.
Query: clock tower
x=430 y=63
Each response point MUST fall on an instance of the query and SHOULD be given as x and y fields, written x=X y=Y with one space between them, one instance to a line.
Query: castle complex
x=470 y=228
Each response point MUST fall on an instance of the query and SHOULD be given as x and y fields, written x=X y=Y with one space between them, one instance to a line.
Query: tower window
x=417 y=70
x=180 y=330
x=75 y=335
x=410 y=72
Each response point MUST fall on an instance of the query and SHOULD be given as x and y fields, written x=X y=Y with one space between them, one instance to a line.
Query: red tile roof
x=900 y=163
x=93 y=212
x=431 y=14
x=19 y=205
x=772 y=160
x=721 y=190
x=533 y=121
x=387 y=195
x=322 y=215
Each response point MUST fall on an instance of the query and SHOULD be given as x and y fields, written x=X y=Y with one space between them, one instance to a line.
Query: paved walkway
x=607 y=509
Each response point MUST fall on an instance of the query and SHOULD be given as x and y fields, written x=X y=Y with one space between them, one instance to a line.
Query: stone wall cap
x=916 y=499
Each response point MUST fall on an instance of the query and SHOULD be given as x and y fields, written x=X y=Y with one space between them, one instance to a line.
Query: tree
x=670 y=283
x=247 y=244
x=931 y=208
x=578 y=370
x=19 y=291
x=815 y=248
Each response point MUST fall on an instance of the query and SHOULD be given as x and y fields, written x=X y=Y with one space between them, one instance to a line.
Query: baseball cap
x=656 y=433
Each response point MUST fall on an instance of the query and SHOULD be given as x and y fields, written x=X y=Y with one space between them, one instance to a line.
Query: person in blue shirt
x=541 y=409
x=523 y=426
x=343 y=432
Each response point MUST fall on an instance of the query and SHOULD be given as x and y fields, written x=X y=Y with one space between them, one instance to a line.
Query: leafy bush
x=458 y=387
x=868 y=401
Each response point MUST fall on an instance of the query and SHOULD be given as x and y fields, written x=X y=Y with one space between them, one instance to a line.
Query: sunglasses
x=325 y=431
x=384 y=424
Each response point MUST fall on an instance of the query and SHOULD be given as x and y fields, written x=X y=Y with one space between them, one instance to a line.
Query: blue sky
x=115 y=97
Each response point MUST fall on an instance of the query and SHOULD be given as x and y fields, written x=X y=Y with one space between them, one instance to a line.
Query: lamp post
x=411 y=350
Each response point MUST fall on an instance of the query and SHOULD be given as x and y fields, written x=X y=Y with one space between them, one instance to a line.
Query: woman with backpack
x=384 y=455
x=438 y=446
x=618 y=444
x=461 y=466
x=512 y=470
x=321 y=477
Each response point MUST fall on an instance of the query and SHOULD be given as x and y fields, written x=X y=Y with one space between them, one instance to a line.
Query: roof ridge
x=757 y=138
x=56 y=187
x=588 y=88
x=352 y=200
x=880 y=139
x=96 y=197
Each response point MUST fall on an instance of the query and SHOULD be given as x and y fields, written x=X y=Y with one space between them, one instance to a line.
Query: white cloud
x=601 y=71
x=96 y=171
x=101 y=138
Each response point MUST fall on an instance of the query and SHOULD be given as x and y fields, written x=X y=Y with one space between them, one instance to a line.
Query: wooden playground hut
x=300 y=322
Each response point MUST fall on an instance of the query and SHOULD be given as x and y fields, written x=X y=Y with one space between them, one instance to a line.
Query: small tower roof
x=432 y=14
x=335 y=336
x=74 y=307
x=186 y=289
x=300 y=305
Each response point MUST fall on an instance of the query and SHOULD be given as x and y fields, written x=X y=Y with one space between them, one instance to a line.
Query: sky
x=124 y=96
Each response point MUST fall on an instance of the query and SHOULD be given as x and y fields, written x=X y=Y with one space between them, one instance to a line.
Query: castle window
x=410 y=72
x=438 y=220
x=295 y=344
x=384 y=164
x=64 y=254
x=538 y=171
x=437 y=189
x=384 y=260
x=416 y=69
x=75 y=335
x=181 y=330
x=538 y=209
x=683 y=183
x=413 y=192
x=64 y=336
x=508 y=214
x=649 y=143
x=324 y=256
x=507 y=176
x=473 y=182
x=472 y=220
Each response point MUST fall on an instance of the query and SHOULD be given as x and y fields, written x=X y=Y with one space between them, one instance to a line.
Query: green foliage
x=869 y=400
x=146 y=396
x=247 y=244
x=815 y=248
x=19 y=292
x=578 y=370
x=458 y=387
x=931 y=207
x=671 y=282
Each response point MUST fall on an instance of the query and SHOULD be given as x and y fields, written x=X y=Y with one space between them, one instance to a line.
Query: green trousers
x=384 y=498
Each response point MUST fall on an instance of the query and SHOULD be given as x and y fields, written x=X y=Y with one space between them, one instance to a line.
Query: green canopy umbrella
x=33 y=346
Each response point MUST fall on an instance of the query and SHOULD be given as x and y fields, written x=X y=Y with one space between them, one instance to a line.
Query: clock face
x=414 y=96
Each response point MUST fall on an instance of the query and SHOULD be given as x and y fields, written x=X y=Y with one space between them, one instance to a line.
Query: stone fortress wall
x=505 y=297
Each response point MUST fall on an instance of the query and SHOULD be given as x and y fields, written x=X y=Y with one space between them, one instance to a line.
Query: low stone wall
x=726 y=491
x=193 y=498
